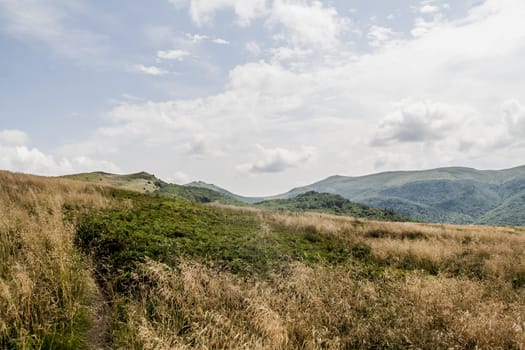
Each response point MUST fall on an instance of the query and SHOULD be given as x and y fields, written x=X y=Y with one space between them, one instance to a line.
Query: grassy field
x=88 y=266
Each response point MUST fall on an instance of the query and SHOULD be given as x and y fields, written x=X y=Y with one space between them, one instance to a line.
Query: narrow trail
x=98 y=337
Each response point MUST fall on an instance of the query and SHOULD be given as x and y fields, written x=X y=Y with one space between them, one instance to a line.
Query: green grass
x=166 y=229
x=331 y=204
x=197 y=194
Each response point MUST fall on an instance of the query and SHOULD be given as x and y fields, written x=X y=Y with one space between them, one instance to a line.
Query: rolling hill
x=140 y=182
x=455 y=195
x=201 y=184
x=330 y=204
x=144 y=182
x=448 y=195
x=202 y=192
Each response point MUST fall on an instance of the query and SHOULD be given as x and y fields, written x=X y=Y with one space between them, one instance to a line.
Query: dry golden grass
x=45 y=287
x=317 y=308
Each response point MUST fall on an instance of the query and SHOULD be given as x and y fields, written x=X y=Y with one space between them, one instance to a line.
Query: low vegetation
x=331 y=204
x=175 y=274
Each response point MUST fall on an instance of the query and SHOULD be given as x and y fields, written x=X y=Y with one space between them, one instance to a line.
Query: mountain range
x=456 y=195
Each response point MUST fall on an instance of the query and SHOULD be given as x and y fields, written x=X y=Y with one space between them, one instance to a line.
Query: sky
x=260 y=96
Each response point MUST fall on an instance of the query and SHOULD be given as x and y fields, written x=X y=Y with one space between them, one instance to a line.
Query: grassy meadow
x=86 y=266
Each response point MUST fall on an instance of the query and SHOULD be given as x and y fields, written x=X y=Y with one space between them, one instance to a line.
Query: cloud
x=15 y=155
x=423 y=27
x=196 y=38
x=419 y=121
x=378 y=36
x=47 y=22
x=308 y=23
x=180 y=178
x=199 y=145
x=172 y=54
x=221 y=41
x=203 y=11
x=13 y=138
x=151 y=70
x=429 y=9
x=275 y=160
x=253 y=48
x=514 y=117
x=281 y=54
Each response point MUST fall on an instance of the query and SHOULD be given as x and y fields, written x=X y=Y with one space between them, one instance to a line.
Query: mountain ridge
x=457 y=195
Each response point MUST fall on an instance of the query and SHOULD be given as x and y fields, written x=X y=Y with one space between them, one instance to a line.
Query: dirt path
x=98 y=337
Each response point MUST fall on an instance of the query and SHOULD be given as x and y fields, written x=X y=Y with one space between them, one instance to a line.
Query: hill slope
x=144 y=182
x=450 y=195
x=226 y=193
x=330 y=204
x=140 y=182
x=445 y=195
x=202 y=192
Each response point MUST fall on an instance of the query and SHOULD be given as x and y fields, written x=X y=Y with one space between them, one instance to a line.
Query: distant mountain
x=331 y=204
x=140 y=182
x=444 y=195
x=248 y=200
x=448 y=195
x=198 y=194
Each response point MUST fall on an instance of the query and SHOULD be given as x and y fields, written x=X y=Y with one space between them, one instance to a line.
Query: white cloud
x=196 y=38
x=13 y=138
x=221 y=41
x=281 y=54
x=274 y=160
x=253 y=48
x=378 y=36
x=16 y=156
x=423 y=27
x=199 y=145
x=151 y=70
x=203 y=11
x=429 y=9
x=179 y=177
x=420 y=121
x=308 y=23
x=172 y=54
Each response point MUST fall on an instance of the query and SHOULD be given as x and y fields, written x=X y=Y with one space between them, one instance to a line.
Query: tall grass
x=46 y=289
x=318 y=307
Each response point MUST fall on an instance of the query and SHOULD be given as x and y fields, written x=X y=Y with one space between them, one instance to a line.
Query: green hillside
x=147 y=183
x=226 y=193
x=140 y=182
x=197 y=194
x=330 y=204
x=448 y=195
